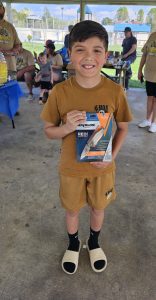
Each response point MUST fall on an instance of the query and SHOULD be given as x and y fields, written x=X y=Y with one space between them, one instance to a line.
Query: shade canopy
x=112 y=2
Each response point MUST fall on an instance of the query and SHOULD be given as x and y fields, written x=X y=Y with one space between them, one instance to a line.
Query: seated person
x=65 y=56
x=56 y=62
x=44 y=77
x=26 y=69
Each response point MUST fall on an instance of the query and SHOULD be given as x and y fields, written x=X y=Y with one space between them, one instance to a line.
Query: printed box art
x=94 y=138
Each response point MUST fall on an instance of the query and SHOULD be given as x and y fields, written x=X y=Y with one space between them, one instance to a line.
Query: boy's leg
x=72 y=222
x=41 y=96
x=73 y=197
x=96 y=221
x=101 y=192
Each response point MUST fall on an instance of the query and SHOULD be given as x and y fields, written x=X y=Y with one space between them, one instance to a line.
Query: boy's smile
x=88 y=57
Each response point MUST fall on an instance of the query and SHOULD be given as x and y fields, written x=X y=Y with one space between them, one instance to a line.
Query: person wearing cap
x=129 y=46
x=56 y=61
x=9 y=41
x=26 y=69
x=148 y=61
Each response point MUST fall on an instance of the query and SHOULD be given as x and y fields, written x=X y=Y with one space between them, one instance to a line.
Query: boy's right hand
x=74 y=118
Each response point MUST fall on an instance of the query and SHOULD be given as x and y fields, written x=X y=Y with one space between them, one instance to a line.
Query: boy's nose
x=89 y=55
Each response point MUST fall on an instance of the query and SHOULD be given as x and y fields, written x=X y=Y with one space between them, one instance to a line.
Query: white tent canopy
x=112 y=2
x=83 y=3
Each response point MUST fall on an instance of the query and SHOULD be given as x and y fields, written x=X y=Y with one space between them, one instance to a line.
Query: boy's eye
x=98 y=51
x=79 y=49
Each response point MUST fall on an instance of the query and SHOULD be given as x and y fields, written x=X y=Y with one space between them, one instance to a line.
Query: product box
x=94 y=138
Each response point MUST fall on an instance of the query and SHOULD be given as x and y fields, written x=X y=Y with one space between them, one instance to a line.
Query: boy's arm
x=119 y=137
x=74 y=118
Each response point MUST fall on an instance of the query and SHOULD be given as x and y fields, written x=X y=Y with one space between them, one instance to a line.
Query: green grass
x=134 y=82
x=37 y=47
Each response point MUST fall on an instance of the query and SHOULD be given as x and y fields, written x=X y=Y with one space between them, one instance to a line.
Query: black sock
x=93 y=244
x=73 y=246
x=93 y=239
x=73 y=242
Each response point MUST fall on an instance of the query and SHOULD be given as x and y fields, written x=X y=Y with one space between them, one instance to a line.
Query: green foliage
x=29 y=37
x=107 y=21
x=122 y=14
x=20 y=17
x=151 y=18
x=140 y=16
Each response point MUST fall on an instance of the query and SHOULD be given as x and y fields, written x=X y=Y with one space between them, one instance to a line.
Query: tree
x=107 y=21
x=47 y=19
x=122 y=14
x=151 y=18
x=19 y=18
x=29 y=37
x=140 y=16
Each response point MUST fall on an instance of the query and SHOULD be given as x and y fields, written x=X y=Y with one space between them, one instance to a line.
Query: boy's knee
x=72 y=214
x=97 y=212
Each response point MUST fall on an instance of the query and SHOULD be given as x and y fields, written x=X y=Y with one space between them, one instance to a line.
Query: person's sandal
x=95 y=255
x=71 y=257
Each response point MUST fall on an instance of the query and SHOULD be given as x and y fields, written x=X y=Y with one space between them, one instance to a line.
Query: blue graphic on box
x=94 y=138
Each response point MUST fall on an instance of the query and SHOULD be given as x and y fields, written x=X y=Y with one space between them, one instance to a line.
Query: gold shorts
x=97 y=192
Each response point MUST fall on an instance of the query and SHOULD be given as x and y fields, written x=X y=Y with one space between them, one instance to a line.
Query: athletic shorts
x=151 y=88
x=45 y=85
x=97 y=192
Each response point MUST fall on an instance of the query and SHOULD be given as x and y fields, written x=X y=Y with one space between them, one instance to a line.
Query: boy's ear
x=106 y=55
x=69 y=52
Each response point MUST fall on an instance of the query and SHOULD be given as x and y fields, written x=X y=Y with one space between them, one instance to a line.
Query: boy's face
x=88 y=57
x=43 y=59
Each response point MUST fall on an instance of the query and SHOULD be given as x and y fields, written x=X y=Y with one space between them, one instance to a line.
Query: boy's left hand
x=100 y=164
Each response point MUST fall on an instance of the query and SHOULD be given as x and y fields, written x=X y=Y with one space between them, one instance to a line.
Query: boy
x=45 y=77
x=82 y=183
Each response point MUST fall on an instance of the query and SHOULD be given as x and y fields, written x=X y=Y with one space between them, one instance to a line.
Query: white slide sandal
x=95 y=255
x=72 y=257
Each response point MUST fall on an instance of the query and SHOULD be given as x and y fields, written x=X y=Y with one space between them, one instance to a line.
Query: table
x=120 y=72
x=9 y=99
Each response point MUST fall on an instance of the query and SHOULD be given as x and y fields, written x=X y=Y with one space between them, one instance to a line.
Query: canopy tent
x=82 y=3
x=112 y=2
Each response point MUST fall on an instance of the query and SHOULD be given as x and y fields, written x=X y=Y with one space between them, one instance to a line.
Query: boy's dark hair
x=70 y=27
x=42 y=54
x=87 y=29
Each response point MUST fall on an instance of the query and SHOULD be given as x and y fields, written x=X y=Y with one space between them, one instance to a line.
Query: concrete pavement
x=32 y=228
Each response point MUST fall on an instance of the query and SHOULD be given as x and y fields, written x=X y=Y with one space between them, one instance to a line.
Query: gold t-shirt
x=149 y=50
x=24 y=59
x=69 y=95
x=8 y=40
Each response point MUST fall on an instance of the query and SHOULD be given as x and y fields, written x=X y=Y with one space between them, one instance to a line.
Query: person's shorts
x=45 y=85
x=97 y=192
x=22 y=78
x=151 y=88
